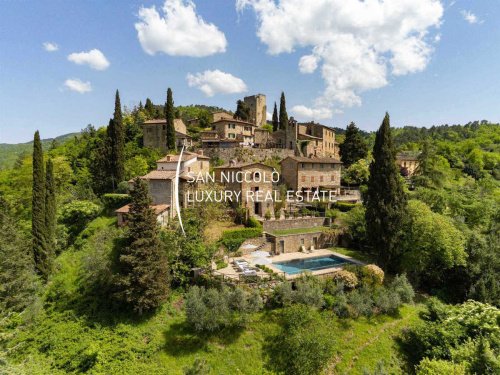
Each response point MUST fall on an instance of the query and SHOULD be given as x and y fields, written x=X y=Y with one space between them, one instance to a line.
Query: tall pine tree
x=276 y=121
x=283 y=119
x=50 y=212
x=354 y=146
x=38 y=229
x=149 y=108
x=169 y=115
x=385 y=201
x=143 y=278
x=116 y=148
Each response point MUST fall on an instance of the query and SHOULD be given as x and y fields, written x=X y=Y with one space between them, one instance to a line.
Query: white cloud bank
x=93 y=58
x=356 y=44
x=179 y=31
x=320 y=113
x=470 y=17
x=75 y=84
x=212 y=82
x=50 y=47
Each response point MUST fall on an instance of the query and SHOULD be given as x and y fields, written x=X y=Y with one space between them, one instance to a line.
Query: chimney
x=168 y=157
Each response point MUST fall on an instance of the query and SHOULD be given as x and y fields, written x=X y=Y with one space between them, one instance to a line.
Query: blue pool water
x=295 y=266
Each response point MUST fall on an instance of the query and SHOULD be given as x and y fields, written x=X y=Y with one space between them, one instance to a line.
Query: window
x=312 y=178
x=303 y=166
x=321 y=165
x=247 y=128
x=320 y=178
x=303 y=178
x=256 y=176
x=231 y=135
x=333 y=178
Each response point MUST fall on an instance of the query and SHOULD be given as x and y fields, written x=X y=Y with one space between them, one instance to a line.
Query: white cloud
x=78 y=85
x=93 y=58
x=212 y=82
x=269 y=116
x=50 y=47
x=307 y=113
x=356 y=45
x=179 y=31
x=308 y=63
x=470 y=17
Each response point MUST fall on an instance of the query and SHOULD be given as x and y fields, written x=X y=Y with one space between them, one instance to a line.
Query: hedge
x=232 y=239
x=345 y=206
x=114 y=201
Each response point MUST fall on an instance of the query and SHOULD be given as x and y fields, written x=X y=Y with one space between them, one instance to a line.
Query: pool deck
x=231 y=272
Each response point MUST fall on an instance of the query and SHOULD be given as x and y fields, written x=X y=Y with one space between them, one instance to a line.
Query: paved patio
x=232 y=272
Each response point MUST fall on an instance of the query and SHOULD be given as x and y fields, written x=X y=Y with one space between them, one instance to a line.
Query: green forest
x=78 y=294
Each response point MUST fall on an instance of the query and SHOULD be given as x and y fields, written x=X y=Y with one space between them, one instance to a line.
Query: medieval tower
x=258 y=108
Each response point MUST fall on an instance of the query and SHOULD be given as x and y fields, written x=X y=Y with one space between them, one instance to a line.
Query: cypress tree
x=143 y=278
x=149 y=108
x=385 y=200
x=283 y=119
x=276 y=121
x=169 y=115
x=242 y=111
x=354 y=147
x=38 y=229
x=50 y=212
x=18 y=280
x=116 y=149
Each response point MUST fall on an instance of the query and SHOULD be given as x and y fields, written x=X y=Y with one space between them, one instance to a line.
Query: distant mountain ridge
x=10 y=152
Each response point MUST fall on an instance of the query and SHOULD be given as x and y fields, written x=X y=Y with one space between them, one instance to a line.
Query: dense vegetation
x=115 y=300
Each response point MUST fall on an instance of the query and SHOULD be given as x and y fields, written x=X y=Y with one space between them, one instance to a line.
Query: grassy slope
x=66 y=338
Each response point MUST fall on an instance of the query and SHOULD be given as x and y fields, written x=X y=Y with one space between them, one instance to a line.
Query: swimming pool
x=295 y=266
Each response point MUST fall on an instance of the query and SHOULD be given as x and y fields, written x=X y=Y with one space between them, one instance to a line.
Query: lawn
x=363 y=257
x=283 y=232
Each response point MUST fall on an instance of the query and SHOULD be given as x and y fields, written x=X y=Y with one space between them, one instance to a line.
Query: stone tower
x=258 y=108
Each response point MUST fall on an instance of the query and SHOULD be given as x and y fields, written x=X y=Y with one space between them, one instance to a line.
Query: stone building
x=320 y=140
x=407 y=162
x=253 y=181
x=232 y=130
x=191 y=163
x=258 y=109
x=155 y=132
x=162 y=212
x=311 y=174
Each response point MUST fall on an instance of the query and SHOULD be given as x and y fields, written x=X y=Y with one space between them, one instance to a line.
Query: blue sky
x=453 y=78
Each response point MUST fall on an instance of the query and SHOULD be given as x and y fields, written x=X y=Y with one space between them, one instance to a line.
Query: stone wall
x=294 y=223
x=294 y=242
x=247 y=154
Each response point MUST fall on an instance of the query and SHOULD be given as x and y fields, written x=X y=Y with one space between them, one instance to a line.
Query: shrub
x=114 y=201
x=283 y=294
x=340 y=306
x=267 y=215
x=308 y=292
x=387 y=301
x=347 y=278
x=77 y=214
x=253 y=223
x=212 y=309
x=372 y=275
x=345 y=206
x=403 y=288
x=304 y=345
x=361 y=303
x=439 y=367
x=232 y=239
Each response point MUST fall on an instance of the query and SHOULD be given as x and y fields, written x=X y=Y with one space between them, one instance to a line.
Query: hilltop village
x=245 y=143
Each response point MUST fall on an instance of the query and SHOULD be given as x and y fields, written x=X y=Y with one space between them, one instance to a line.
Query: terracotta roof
x=242 y=165
x=316 y=124
x=185 y=156
x=159 y=175
x=234 y=120
x=407 y=156
x=159 y=208
x=302 y=159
